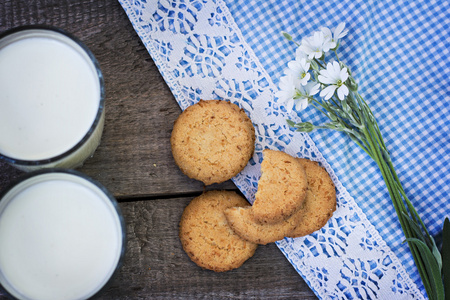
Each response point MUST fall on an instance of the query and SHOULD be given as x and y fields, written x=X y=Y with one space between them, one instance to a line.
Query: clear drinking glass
x=62 y=236
x=51 y=99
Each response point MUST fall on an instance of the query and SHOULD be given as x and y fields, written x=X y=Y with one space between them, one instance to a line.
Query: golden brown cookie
x=320 y=200
x=281 y=188
x=212 y=141
x=206 y=236
x=242 y=222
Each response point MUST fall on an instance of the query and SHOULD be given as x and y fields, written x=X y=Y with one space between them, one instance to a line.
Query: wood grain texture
x=134 y=161
x=134 y=158
x=156 y=267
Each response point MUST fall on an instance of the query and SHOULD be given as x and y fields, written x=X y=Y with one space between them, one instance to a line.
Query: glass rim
x=26 y=176
x=101 y=107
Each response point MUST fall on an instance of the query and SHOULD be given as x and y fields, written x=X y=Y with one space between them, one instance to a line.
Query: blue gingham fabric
x=398 y=53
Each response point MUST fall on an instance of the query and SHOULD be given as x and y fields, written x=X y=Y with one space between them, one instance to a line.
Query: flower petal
x=342 y=92
x=305 y=79
x=339 y=31
x=336 y=68
x=301 y=104
x=324 y=72
x=299 y=54
x=289 y=105
x=329 y=45
x=326 y=80
x=327 y=33
x=312 y=88
x=305 y=65
x=343 y=74
x=328 y=92
x=285 y=81
x=292 y=64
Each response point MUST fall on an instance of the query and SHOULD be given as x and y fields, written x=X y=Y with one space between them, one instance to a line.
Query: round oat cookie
x=206 y=237
x=320 y=200
x=212 y=141
x=281 y=188
x=242 y=222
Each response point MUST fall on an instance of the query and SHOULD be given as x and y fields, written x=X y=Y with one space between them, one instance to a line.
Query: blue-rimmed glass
x=85 y=148
x=45 y=175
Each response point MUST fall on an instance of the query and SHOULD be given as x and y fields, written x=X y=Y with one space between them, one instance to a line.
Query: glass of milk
x=51 y=99
x=62 y=236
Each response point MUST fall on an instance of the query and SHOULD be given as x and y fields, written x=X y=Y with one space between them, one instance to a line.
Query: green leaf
x=290 y=123
x=304 y=127
x=445 y=252
x=416 y=229
x=432 y=268
x=345 y=106
x=427 y=239
x=437 y=254
x=287 y=36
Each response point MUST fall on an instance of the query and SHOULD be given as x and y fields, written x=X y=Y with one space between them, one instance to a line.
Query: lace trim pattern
x=202 y=54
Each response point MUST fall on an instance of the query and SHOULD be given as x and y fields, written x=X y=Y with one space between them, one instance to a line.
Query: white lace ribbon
x=202 y=54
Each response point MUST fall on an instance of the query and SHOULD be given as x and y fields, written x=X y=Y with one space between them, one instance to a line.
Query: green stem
x=359 y=143
x=397 y=201
x=359 y=118
x=327 y=109
x=380 y=140
x=337 y=56
x=372 y=145
x=411 y=208
x=318 y=62
x=318 y=108
x=334 y=101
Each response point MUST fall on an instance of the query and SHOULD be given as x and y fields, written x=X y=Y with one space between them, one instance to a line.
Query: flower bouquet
x=315 y=78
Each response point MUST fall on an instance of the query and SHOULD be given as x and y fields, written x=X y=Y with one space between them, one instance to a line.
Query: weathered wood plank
x=134 y=158
x=156 y=267
x=134 y=161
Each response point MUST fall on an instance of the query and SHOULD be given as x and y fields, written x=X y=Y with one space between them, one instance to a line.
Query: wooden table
x=135 y=163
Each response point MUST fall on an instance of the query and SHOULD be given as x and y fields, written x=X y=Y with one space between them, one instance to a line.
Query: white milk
x=49 y=97
x=60 y=238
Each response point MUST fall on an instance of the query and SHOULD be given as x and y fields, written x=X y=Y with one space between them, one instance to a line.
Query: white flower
x=315 y=45
x=328 y=36
x=299 y=69
x=287 y=91
x=339 y=32
x=303 y=94
x=335 y=77
x=299 y=54
x=333 y=38
x=292 y=93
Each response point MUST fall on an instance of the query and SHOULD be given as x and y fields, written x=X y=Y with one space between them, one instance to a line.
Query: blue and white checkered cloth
x=398 y=52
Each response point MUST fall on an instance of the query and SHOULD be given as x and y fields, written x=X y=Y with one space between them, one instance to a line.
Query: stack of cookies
x=212 y=141
x=295 y=197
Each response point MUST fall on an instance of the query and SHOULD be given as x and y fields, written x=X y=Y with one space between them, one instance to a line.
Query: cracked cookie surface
x=241 y=221
x=313 y=214
x=212 y=141
x=281 y=188
x=320 y=202
x=206 y=237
